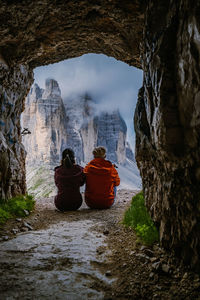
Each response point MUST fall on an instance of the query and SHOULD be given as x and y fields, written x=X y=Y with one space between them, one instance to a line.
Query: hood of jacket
x=99 y=166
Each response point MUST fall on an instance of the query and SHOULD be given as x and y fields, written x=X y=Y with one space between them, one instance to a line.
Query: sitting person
x=68 y=179
x=101 y=181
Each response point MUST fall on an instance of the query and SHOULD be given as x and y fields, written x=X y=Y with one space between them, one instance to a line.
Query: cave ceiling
x=43 y=32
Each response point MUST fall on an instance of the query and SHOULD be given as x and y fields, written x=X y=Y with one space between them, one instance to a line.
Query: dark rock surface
x=50 y=31
x=167 y=124
x=14 y=84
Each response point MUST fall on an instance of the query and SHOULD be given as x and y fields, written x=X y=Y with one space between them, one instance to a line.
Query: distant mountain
x=75 y=123
x=45 y=117
x=86 y=129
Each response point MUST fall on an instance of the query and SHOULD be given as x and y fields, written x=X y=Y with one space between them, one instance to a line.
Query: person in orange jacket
x=101 y=180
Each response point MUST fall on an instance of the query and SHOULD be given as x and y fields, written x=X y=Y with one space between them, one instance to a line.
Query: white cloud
x=113 y=84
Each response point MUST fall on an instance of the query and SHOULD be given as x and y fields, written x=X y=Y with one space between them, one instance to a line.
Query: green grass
x=38 y=182
x=15 y=207
x=46 y=195
x=138 y=218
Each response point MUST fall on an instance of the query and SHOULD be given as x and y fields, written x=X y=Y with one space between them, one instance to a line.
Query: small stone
x=142 y=248
x=142 y=257
x=18 y=219
x=5 y=238
x=15 y=230
x=153 y=259
x=108 y=273
x=165 y=268
x=26 y=212
x=148 y=252
x=151 y=275
x=132 y=253
x=124 y=265
x=156 y=265
x=27 y=225
x=185 y=275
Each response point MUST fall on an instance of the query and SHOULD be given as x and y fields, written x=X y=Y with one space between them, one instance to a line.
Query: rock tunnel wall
x=15 y=82
x=167 y=122
x=35 y=33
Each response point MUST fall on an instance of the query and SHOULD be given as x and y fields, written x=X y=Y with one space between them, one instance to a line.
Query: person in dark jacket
x=68 y=179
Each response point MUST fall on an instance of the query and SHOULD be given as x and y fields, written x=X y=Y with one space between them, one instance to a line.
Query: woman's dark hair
x=68 y=158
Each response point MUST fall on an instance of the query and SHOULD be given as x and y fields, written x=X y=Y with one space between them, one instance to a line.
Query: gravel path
x=87 y=254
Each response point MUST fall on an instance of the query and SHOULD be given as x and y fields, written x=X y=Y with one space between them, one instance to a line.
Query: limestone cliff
x=79 y=112
x=112 y=132
x=86 y=129
x=77 y=125
x=45 y=117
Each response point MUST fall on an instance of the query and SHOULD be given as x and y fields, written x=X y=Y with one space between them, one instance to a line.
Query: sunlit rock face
x=45 y=118
x=129 y=152
x=88 y=128
x=78 y=112
x=167 y=122
x=112 y=134
x=76 y=125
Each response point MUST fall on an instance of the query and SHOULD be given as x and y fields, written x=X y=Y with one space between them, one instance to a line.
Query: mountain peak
x=35 y=93
x=52 y=89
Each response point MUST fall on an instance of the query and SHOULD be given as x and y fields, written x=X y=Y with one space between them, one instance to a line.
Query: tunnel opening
x=80 y=103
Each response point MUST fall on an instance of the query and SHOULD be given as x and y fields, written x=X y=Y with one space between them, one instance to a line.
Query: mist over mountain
x=56 y=124
x=111 y=83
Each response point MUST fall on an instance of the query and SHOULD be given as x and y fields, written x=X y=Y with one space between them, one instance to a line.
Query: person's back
x=101 y=178
x=68 y=179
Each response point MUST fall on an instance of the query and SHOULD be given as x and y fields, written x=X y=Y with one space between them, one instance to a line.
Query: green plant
x=16 y=206
x=138 y=218
x=4 y=216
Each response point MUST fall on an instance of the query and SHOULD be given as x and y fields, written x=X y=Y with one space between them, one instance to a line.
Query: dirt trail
x=87 y=254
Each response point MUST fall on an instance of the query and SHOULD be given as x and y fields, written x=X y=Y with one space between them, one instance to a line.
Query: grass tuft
x=15 y=207
x=138 y=218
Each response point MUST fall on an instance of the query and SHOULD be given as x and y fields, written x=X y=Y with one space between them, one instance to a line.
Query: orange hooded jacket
x=101 y=177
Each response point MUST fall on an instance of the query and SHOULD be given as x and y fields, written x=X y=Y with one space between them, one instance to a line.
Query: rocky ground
x=87 y=254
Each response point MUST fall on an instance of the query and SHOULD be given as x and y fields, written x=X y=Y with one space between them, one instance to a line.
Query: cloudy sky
x=113 y=84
